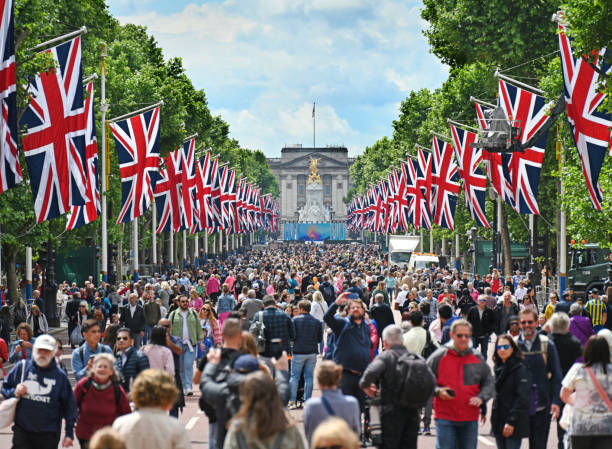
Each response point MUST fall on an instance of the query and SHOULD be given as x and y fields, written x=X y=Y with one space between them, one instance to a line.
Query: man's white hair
x=392 y=334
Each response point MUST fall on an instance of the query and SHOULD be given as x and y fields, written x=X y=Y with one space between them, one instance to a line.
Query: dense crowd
x=391 y=349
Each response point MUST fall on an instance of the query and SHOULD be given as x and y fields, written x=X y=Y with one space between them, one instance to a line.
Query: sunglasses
x=462 y=335
x=183 y=302
x=504 y=347
x=527 y=322
x=122 y=338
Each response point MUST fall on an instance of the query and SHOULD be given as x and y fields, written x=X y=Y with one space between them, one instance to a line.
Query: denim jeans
x=390 y=293
x=456 y=434
x=539 y=426
x=137 y=340
x=484 y=344
x=508 y=443
x=187 y=358
x=301 y=362
x=147 y=335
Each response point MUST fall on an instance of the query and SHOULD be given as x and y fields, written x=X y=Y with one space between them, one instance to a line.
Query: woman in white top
x=588 y=388
x=317 y=310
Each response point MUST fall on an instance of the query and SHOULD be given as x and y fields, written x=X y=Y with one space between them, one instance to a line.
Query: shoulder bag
x=8 y=406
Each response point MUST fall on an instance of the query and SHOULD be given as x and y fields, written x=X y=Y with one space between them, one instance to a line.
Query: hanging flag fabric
x=228 y=197
x=384 y=205
x=416 y=202
x=54 y=140
x=423 y=167
x=474 y=182
x=590 y=127
x=137 y=144
x=444 y=184
x=10 y=168
x=215 y=196
x=168 y=193
x=82 y=215
x=208 y=178
x=494 y=162
x=188 y=182
x=529 y=111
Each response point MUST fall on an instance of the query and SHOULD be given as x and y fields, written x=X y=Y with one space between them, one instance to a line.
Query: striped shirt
x=596 y=309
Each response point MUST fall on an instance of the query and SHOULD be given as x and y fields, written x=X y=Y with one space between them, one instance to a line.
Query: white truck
x=401 y=248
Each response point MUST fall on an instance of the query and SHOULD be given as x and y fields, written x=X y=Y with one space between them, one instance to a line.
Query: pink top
x=196 y=303
x=160 y=357
x=212 y=286
x=270 y=289
x=230 y=281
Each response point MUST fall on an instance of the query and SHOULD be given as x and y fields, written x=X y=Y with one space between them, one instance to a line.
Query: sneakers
x=292 y=405
x=426 y=431
x=188 y=392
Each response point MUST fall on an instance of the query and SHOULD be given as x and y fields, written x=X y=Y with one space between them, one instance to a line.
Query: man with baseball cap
x=597 y=310
x=45 y=398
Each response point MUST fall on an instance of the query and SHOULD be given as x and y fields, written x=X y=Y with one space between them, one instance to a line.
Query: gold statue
x=314 y=171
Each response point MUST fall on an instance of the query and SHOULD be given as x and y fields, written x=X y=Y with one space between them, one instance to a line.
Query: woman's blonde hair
x=329 y=374
x=107 y=438
x=153 y=388
x=318 y=297
x=248 y=345
x=334 y=432
x=111 y=361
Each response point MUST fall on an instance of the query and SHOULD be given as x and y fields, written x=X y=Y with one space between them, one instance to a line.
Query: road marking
x=485 y=441
x=192 y=422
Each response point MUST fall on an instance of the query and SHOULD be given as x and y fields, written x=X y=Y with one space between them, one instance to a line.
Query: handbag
x=76 y=336
x=8 y=406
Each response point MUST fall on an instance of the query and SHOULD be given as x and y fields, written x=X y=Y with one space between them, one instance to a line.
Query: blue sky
x=262 y=63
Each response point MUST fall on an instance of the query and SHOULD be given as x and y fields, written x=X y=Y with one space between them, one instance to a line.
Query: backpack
x=429 y=347
x=414 y=382
x=328 y=293
x=258 y=329
x=543 y=350
x=87 y=386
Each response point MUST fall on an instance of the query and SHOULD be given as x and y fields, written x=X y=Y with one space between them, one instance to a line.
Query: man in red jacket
x=464 y=383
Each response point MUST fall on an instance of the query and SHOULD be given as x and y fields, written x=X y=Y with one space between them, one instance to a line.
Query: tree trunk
x=10 y=254
x=505 y=238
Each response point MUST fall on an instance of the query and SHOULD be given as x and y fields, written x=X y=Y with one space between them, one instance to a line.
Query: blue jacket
x=343 y=406
x=48 y=400
x=14 y=357
x=352 y=341
x=226 y=303
x=308 y=334
x=79 y=364
x=135 y=362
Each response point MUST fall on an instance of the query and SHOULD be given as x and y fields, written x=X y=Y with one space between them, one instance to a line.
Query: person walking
x=262 y=420
x=279 y=329
x=159 y=355
x=331 y=402
x=510 y=412
x=185 y=323
x=150 y=427
x=308 y=335
x=464 y=383
x=542 y=358
x=587 y=387
x=152 y=313
x=483 y=323
x=100 y=398
x=37 y=321
x=130 y=360
x=133 y=317
x=225 y=304
x=82 y=357
x=21 y=348
x=580 y=326
x=45 y=399
x=399 y=403
x=381 y=313
x=597 y=310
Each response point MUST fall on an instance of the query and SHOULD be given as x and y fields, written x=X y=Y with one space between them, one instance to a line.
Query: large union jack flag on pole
x=590 y=127
x=417 y=207
x=168 y=191
x=188 y=182
x=10 y=169
x=137 y=143
x=474 y=182
x=82 y=215
x=444 y=184
x=54 y=143
x=529 y=112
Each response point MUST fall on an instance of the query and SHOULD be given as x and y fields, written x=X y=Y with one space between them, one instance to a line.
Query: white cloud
x=263 y=62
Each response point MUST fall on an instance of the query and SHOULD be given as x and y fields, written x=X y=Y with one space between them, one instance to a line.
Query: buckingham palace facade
x=292 y=171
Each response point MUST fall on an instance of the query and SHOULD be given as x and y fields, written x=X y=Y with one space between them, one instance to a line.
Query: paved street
x=196 y=422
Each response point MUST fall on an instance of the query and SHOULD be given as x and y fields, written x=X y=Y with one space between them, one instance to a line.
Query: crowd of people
x=391 y=351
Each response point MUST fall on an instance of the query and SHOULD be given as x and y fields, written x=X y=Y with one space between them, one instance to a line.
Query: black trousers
x=539 y=426
x=592 y=442
x=349 y=384
x=400 y=428
x=23 y=439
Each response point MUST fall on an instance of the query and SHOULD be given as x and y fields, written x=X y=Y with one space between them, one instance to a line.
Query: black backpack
x=429 y=347
x=414 y=382
x=328 y=293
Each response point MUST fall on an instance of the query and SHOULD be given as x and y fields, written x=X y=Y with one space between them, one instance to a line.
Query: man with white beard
x=45 y=398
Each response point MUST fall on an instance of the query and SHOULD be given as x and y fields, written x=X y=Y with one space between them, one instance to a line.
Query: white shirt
x=520 y=293
x=132 y=310
x=185 y=326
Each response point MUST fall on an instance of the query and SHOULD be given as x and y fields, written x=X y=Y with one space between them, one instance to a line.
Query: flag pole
x=482 y=103
x=314 y=145
x=139 y=111
x=82 y=30
x=440 y=136
x=518 y=83
x=461 y=125
x=104 y=174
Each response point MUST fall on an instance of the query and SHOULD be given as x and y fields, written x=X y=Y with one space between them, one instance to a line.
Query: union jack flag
x=523 y=169
x=137 y=143
x=383 y=190
x=444 y=184
x=54 y=143
x=474 y=182
x=188 y=182
x=228 y=197
x=208 y=175
x=10 y=168
x=402 y=202
x=590 y=128
x=494 y=162
x=82 y=215
x=417 y=207
x=168 y=190
x=215 y=196
x=394 y=185
x=424 y=183
x=239 y=219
